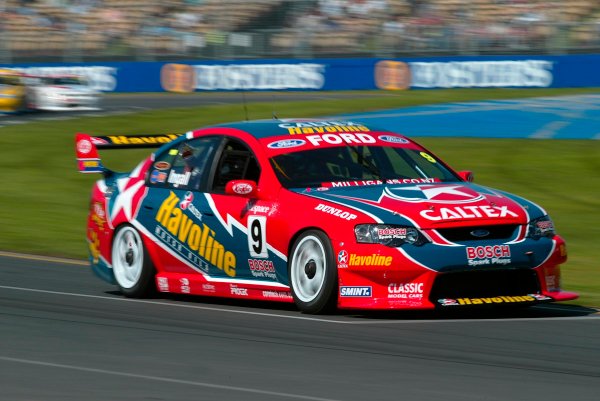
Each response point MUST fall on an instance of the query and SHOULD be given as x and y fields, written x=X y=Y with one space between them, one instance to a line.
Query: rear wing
x=86 y=147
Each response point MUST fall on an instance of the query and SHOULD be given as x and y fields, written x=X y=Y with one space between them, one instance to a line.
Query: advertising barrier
x=333 y=74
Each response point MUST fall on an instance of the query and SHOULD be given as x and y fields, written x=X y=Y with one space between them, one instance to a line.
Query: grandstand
x=77 y=30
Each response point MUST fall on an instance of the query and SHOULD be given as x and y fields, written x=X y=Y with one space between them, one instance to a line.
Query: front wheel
x=132 y=267
x=313 y=273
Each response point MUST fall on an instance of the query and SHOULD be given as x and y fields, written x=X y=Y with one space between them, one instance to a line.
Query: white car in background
x=58 y=93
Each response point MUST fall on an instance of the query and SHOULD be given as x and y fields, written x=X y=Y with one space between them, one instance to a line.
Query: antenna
x=244 y=101
x=273 y=111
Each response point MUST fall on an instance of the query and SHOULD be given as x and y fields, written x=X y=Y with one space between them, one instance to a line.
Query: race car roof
x=274 y=128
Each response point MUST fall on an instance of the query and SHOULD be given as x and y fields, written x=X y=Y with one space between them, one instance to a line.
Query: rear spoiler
x=86 y=147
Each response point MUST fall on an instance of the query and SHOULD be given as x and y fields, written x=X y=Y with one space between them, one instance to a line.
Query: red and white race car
x=60 y=93
x=321 y=213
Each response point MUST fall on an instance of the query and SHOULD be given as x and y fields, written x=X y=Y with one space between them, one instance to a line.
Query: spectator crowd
x=73 y=30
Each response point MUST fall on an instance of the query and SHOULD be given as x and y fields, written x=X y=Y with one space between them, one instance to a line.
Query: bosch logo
x=392 y=139
x=286 y=143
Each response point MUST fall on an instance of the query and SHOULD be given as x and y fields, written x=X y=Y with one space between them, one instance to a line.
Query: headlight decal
x=389 y=235
x=541 y=227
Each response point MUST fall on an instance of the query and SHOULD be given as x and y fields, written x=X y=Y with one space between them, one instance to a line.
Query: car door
x=175 y=210
x=244 y=219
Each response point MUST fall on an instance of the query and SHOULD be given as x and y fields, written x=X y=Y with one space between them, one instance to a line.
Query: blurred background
x=101 y=30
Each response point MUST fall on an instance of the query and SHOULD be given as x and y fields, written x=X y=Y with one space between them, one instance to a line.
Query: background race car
x=12 y=91
x=320 y=213
x=66 y=92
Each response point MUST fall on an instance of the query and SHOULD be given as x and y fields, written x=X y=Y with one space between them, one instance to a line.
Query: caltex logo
x=434 y=194
x=343 y=258
x=187 y=199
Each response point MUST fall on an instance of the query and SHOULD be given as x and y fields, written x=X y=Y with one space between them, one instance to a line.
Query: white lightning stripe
x=377 y=219
x=520 y=235
x=136 y=171
x=147 y=233
x=233 y=222
x=549 y=254
x=102 y=185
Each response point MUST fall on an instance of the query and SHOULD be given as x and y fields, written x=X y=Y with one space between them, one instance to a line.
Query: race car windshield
x=356 y=164
x=63 y=81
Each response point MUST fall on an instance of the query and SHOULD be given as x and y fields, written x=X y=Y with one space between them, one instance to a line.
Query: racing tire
x=313 y=273
x=133 y=269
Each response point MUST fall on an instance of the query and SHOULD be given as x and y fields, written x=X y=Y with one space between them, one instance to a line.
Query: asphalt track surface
x=559 y=117
x=68 y=336
x=117 y=104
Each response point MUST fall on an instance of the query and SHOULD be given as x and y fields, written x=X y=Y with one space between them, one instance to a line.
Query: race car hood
x=432 y=205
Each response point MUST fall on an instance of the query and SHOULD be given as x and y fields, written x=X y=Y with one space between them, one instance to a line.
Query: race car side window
x=237 y=162
x=184 y=166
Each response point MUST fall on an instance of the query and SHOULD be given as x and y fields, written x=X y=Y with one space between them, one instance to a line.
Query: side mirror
x=245 y=188
x=466 y=175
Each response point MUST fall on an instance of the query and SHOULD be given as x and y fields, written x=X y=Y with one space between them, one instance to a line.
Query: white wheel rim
x=308 y=268
x=127 y=257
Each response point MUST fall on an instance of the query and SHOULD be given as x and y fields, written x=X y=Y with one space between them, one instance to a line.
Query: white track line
x=164 y=379
x=295 y=317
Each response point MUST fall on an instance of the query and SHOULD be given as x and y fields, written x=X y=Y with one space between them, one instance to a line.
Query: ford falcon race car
x=324 y=214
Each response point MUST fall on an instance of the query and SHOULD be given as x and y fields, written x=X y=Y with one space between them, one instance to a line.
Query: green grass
x=44 y=199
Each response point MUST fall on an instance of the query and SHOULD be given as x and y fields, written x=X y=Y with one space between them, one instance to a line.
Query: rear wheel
x=132 y=267
x=313 y=273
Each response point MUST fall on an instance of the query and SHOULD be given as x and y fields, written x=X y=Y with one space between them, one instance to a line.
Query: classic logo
x=405 y=288
x=412 y=291
x=286 y=143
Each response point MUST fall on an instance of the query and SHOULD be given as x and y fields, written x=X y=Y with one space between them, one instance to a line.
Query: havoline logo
x=199 y=239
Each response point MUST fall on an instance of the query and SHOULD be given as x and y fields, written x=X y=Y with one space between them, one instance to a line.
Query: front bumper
x=530 y=275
